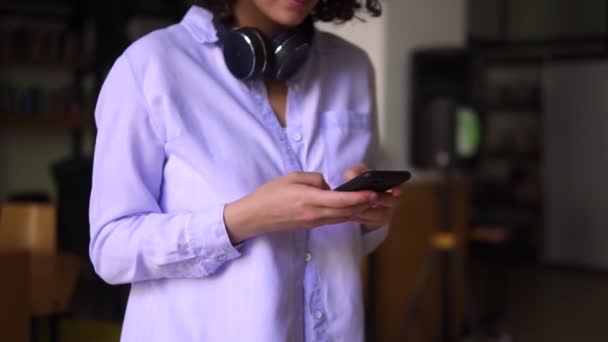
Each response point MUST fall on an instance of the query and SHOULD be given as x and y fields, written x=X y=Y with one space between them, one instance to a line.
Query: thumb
x=313 y=179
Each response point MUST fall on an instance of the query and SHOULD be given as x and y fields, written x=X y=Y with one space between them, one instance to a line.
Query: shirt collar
x=199 y=22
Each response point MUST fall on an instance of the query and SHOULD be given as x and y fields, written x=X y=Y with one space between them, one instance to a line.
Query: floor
x=556 y=305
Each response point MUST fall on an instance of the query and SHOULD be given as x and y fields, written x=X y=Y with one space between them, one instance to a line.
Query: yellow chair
x=31 y=228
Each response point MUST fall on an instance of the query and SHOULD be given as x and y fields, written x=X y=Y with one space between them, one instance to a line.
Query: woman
x=211 y=186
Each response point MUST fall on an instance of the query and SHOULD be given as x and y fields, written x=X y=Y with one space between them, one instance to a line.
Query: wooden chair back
x=28 y=226
x=31 y=228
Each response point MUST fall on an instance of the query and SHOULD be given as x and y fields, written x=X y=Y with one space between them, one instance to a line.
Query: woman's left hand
x=381 y=211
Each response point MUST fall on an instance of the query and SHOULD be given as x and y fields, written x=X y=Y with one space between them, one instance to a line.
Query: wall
x=404 y=25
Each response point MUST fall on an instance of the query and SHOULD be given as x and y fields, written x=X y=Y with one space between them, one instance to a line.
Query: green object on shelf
x=468 y=132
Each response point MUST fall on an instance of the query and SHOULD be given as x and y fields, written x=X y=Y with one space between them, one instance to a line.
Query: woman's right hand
x=297 y=200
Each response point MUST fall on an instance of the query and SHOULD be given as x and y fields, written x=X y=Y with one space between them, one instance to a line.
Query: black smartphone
x=379 y=181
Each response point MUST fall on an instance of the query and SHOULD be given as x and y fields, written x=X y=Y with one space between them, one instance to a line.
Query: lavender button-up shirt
x=178 y=138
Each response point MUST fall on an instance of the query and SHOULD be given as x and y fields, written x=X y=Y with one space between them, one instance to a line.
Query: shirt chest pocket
x=346 y=137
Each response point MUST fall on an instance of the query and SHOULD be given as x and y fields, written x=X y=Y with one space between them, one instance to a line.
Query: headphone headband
x=248 y=54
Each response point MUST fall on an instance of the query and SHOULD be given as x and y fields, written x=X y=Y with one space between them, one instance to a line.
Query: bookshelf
x=46 y=65
x=508 y=186
x=54 y=56
x=44 y=124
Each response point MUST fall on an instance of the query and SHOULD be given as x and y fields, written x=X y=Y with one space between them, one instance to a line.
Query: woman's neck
x=247 y=14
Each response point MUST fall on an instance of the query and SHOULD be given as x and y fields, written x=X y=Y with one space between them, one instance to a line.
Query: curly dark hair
x=325 y=10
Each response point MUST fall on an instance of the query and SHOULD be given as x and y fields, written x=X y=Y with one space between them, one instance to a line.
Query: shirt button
x=318 y=315
x=297 y=137
x=221 y=257
x=308 y=257
x=295 y=87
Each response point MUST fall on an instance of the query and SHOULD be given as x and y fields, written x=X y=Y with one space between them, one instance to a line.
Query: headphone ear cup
x=245 y=53
x=290 y=50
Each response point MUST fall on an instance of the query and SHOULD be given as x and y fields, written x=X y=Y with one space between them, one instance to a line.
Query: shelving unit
x=46 y=68
x=520 y=37
x=41 y=66
x=56 y=124
x=46 y=148
x=507 y=190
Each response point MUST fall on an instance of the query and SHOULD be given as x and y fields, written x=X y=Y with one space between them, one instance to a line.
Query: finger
x=396 y=191
x=378 y=215
x=342 y=199
x=386 y=200
x=332 y=213
x=336 y=220
x=354 y=171
x=313 y=179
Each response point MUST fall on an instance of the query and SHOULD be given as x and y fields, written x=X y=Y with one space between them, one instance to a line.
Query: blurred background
x=498 y=106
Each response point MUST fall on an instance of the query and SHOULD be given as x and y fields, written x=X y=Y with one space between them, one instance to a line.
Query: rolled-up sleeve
x=132 y=239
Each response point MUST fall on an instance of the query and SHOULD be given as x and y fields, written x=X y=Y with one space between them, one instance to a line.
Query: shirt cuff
x=209 y=239
x=373 y=239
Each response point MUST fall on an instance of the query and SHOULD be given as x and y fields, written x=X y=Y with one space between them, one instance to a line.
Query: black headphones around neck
x=249 y=55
